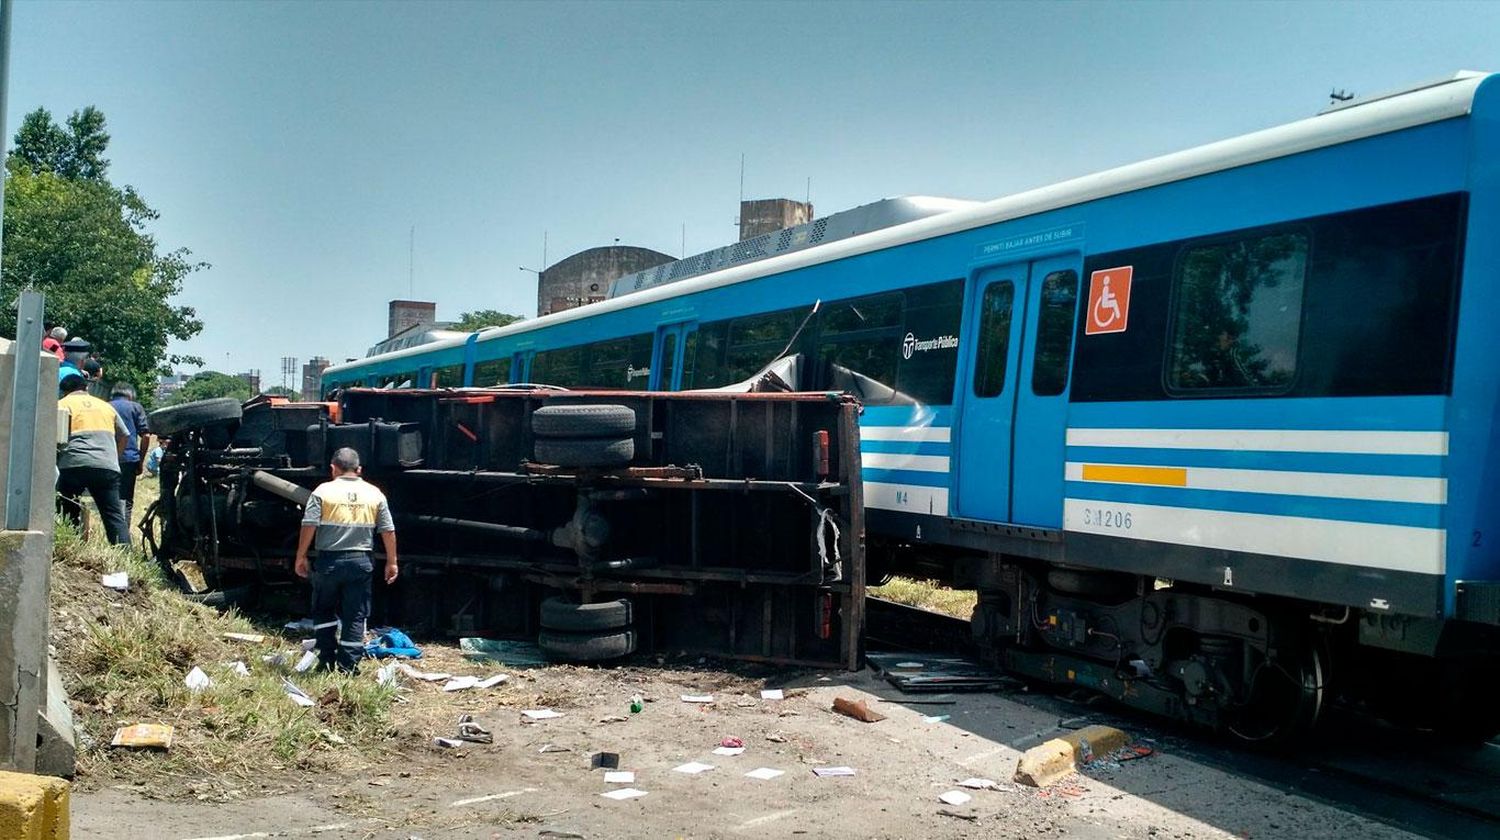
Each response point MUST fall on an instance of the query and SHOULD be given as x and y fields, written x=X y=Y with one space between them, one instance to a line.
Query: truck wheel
x=194 y=415
x=586 y=647
x=585 y=452
x=559 y=613
x=583 y=421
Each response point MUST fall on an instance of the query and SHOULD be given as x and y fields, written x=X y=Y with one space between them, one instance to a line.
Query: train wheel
x=1285 y=697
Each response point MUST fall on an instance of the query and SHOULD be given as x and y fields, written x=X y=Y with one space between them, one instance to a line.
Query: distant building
x=405 y=314
x=312 y=378
x=166 y=386
x=252 y=378
x=767 y=215
x=585 y=277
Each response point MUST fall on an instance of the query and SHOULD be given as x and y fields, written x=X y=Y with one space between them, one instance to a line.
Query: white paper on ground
x=693 y=768
x=116 y=580
x=541 y=714
x=460 y=683
x=934 y=718
x=772 y=694
x=619 y=777
x=386 y=674
x=274 y=659
x=978 y=784
x=492 y=681
x=729 y=750
x=955 y=797
x=833 y=771
x=302 y=700
x=421 y=675
x=298 y=695
x=197 y=680
x=239 y=668
x=308 y=660
x=450 y=743
x=623 y=793
x=765 y=773
x=309 y=644
x=253 y=638
x=697 y=698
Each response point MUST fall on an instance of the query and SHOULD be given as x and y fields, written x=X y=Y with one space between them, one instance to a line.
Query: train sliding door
x=1012 y=405
x=666 y=373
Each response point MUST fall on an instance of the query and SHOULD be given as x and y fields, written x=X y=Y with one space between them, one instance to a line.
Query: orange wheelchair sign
x=1109 y=301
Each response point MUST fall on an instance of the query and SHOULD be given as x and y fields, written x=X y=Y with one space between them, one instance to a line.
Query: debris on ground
x=980 y=784
x=935 y=718
x=119 y=581
x=946 y=813
x=938 y=672
x=238 y=667
x=424 y=676
x=859 y=710
x=619 y=777
x=298 y=696
x=554 y=748
x=833 y=771
x=196 y=680
x=697 y=698
x=955 y=797
x=306 y=663
x=613 y=719
x=252 y=638
x=468 y=730
x=765 y=774
x=146 y=736
x=731 y=741
x=604 y=761
x=530 y=715
x=390 y=642
x=772 y=694
x=693 y=768
x=514 y=654
x=729 y=751
x=623 y=793
x=451 y=743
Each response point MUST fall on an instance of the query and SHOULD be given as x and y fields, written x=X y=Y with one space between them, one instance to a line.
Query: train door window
x=1237 y=317
x=703 y=357
x=668 y=363
x=994 y=338
x=1054 y=333
x=490 y=373
x=859 y=347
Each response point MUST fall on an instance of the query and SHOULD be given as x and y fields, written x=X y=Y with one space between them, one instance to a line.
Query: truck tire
x=585 y=452
x=194 y=415
x=583 y=421
x=586 y=647
x=559 y=613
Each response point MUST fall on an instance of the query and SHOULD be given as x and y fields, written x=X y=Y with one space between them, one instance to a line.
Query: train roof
x=1428 y=103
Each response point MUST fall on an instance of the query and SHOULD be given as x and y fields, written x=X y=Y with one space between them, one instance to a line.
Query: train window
x=932 y=318
x=754 y=342
x=668 y=362
x=1054 y=333
x=563 y=367
x=451 y=376
x=994 y=338
x=617 y=363
x=703 y=357
x=1238 y=314
x=491 y=373
x=859 y=348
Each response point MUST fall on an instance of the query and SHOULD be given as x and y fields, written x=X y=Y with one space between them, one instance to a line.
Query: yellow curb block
x=1049 y=761
x=33 y=807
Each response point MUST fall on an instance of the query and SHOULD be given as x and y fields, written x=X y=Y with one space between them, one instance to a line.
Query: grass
x=124 y=658
x=927 y=595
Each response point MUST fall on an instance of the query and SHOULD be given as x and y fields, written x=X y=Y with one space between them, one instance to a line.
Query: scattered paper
x=491 y=682
x=728 y=750
x=298 y=695
x=955 y=797
x=116 y=580
x=613 y=719
x=239 y=668
x=197 y=680
x=693 y=768
x=623 y=793
x=697 y=698
x=450 y=743
x=308 y=660
x=772 y=694
x=554 y=748
x=421 y=675
x=309 y=644
x=253 y=638
x=541 y=714
x=143 y=736
x=765 y=774
x=979 y=784
x=619 y=777
x=274 y=659
x=833 y=771
x=935 y=718
x=386 y=674
x=460 y=683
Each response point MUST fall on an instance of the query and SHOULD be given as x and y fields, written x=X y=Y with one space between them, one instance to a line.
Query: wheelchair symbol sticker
x=1109 y=301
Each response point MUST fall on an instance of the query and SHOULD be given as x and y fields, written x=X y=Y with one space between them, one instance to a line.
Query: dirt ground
x=512 y=788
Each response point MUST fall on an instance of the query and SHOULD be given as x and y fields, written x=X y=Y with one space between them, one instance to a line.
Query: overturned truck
x=598 y=523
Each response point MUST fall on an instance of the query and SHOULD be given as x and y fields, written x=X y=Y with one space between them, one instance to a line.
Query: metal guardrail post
x=23 y=406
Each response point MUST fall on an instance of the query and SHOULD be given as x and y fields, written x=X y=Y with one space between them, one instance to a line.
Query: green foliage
x=281 y=391
x=480 y=318
x=210 y=384
x=82 y=241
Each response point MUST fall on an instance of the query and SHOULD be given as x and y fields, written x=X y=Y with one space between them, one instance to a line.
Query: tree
x=82 y=241
x=210 y=384
x=282 y=391
x=480 y=318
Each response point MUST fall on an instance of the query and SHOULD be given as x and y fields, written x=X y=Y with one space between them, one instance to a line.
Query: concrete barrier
x=33 y=807
x=1048 y=762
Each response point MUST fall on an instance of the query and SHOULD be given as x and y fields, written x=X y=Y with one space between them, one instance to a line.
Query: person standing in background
x=52 y=342
x=132 y=457
x=88 y=459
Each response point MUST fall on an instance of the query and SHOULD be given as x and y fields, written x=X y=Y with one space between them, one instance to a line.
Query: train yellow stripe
x=1161 y=476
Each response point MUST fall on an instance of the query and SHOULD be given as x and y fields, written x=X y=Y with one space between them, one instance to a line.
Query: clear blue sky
x=294 y=145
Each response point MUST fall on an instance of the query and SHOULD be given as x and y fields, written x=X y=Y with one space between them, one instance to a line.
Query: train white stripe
x=1268 y=440
x=1398 y=548
x=903 y=461
x=1380 y=488
x=907 y=498
x=922 y=434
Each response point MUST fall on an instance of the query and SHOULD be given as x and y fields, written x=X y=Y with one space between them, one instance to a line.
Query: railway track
x=1405 y=778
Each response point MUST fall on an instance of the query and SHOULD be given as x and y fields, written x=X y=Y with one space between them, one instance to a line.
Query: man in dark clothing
x=89 y=459
x=132 y=457
x=344 y=515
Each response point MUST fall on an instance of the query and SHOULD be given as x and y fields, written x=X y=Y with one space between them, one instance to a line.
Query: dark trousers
x=128 y=472
x=341 y=603
x=104 y=485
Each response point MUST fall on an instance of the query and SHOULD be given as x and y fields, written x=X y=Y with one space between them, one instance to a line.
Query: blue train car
x=1211 y=433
